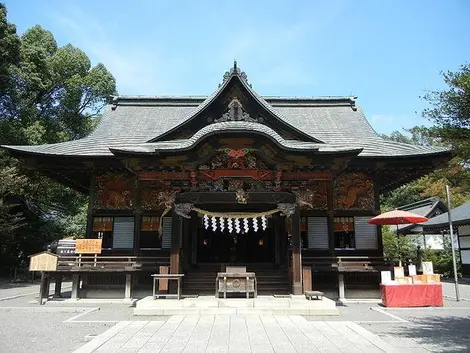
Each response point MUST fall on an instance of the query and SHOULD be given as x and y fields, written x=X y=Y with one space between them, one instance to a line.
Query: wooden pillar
x=283 y=241
x=75 y=286
x=137 y=226
x=89 y=223
x=194 y=241
x=186 y=243
x=175 y=248
x=128 y=289
x=41 y=288
x=296 y=254
x=58 y=286
x=341 y=286
x=277 y=240
x=330 y=215
x=138 y=217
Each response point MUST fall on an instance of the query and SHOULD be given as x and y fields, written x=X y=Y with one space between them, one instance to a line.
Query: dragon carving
x=354 y=191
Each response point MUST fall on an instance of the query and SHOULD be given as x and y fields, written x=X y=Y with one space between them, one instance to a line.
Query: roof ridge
x=430 y=200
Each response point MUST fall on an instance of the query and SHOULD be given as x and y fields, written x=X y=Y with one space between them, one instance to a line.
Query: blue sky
x=388 y=53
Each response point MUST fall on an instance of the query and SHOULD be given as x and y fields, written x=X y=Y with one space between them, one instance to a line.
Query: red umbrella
x=397 y=217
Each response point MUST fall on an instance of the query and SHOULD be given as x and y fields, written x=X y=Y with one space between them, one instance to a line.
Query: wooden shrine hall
x=281 y=185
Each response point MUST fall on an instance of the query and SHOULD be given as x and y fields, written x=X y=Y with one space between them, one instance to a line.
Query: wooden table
x=228 y=282
x=169 y=276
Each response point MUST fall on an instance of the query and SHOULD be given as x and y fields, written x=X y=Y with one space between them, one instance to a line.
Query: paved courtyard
x=104 y=327
x=237 y=333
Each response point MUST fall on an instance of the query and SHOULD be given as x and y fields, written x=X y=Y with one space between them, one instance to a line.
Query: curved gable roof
x=236 y=76
x=334 y=122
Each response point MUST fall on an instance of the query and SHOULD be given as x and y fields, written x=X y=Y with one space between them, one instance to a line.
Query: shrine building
x=282 y=185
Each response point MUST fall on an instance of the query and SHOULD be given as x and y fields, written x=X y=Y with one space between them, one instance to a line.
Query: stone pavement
x=238 y=333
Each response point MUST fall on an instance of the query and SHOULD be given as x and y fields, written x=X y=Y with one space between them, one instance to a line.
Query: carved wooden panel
x=114 y=192
x=313 y=196
x=354 y=191
x=228 y=158
x=156 y=196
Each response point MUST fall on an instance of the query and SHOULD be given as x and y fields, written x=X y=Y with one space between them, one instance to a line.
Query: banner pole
x=451 y=228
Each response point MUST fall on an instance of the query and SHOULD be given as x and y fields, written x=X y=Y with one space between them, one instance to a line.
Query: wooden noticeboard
x=88 y=246
x=43 y=261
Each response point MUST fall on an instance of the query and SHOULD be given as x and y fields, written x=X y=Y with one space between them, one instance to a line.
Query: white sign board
x=385 y=277
x=398 y=271
x=427 y=268
x=411 y=270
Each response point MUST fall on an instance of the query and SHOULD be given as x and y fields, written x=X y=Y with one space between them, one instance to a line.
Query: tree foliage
x=396 y=249
x=456 y=174
x=442 y=259
x=48 y=94
x=450 y=111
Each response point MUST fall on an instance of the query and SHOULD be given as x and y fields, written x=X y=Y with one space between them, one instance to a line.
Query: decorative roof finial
x=235 y=71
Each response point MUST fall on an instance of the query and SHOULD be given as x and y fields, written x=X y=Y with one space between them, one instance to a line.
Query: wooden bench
x=309 y=294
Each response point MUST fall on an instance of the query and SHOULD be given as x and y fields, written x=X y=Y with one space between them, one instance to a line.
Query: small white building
x=429 y=208
x=461 y=223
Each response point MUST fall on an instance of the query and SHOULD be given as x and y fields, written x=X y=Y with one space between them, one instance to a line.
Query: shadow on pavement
x=5 y=284
x=451 y=334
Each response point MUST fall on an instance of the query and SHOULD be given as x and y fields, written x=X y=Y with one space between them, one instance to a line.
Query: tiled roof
x=134 y=121
x=460 y=216
x=424 y=208
x=233 y=126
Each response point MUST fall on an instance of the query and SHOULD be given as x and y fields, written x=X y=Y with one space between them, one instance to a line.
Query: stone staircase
x=201 y=280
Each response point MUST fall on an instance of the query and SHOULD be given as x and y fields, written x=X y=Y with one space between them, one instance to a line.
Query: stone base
x=295 y=305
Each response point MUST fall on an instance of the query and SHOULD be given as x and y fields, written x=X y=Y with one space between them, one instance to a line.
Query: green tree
x=450 y=111
x=456 y=173
x=48 y=94
x=442 y=259
x=398 y=248
x=9 y=50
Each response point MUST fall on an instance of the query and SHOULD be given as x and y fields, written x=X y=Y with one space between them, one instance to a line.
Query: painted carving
x=156 y=196
x=241 y=196
x=114 y=192
x=235 y=112
x=234 y=159
x=287 y=209
x=354 y=191
x=183 y=209
x=312 y=196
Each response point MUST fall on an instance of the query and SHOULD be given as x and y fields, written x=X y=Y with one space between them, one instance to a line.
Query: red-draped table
x=409 y=295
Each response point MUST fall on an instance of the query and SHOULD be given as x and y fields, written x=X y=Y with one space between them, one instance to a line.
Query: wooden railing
x=111 y=263
x=344 y=263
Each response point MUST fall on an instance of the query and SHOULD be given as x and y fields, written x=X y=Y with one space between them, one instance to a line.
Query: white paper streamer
x=264 y=224
x=206 y=221
x=222 y=223
x=255 y=224
x=245 y=225
x=237 y=225
x=230 y=225
x=214 y=223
